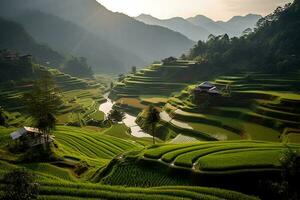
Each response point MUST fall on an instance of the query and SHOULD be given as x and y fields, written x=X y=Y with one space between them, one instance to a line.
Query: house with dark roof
x=206 y=88
x=31 y=136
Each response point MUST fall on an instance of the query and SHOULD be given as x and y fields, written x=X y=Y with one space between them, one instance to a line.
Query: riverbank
x=129 y=119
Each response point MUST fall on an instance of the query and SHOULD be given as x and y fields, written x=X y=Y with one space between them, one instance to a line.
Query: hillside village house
x=30 y=136
x=206 y=88
x=204 y=91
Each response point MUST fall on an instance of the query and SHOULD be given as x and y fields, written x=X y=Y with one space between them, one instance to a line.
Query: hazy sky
x=215 y=9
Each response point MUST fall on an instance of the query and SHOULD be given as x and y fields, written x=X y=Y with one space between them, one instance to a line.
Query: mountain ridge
x=147 y=42
x=178 y=24
x=75 y=40
x=205 y=26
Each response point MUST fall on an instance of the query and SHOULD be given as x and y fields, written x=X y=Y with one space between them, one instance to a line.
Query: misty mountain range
x=200 y=27
x=112 y=42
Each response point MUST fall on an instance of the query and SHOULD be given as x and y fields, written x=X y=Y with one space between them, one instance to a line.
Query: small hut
x=31 y=136
x=206 y=88
x=205 y=92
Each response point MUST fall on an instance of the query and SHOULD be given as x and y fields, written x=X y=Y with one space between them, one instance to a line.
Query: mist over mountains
x=111 y=42
x=200 y=27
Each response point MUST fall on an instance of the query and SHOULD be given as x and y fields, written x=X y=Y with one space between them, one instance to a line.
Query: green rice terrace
x=157 y=79
x=75 y=147
x=251 y=106
x=216 y=116
x=215 y=164
x=207 y=145
x=81 y=100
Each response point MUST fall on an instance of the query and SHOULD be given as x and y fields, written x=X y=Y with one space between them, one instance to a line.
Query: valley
x=117 y=107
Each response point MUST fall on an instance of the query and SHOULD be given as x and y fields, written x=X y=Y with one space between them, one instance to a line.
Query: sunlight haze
x=215 y=9
x=150 y=99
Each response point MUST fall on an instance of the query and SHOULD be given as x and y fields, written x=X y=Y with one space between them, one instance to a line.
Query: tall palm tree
x=152 y=118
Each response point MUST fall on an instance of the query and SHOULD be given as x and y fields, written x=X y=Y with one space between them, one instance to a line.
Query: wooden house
x=207 y=88
x=31 y=136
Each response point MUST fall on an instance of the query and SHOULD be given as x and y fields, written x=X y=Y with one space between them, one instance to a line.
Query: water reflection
x=129 y=120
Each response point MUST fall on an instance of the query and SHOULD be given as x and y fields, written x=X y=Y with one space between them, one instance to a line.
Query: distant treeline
x=273 y=47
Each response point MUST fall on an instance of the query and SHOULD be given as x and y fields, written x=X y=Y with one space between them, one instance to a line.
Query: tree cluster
x=273 y=47
x=78 y=67
x=19 y=185
x=115 y=116
x=43 y=104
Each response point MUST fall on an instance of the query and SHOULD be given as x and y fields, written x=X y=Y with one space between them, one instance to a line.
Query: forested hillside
x=16 y=40
x=72 y=39
x=14 y=37
x=274 y=46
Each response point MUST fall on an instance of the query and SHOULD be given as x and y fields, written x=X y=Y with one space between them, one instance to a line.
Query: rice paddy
x=98 y=148
x=250 y=112
x=245 y=129
x=81 y=100
x=220 y=156
x=156 y=80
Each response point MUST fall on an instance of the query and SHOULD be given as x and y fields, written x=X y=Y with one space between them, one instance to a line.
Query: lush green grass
x=220 y=156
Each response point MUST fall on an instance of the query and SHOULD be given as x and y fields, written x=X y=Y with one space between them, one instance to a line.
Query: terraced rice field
x=225 y=164
x=163 y=193
x=85 y=144
x=66 y=190
x=183 y=139
x=248 y=113
x=81 y=100
x=157 y=79
x=220 y=157
x=60 y=183
x=133 y=103
x=120 y=131
x=74 y=145
x=81 y=105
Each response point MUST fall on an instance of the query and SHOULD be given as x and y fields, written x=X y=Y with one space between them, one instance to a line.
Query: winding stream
x=129 y=120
